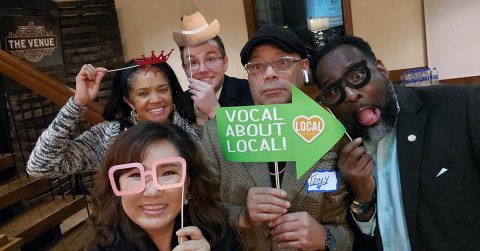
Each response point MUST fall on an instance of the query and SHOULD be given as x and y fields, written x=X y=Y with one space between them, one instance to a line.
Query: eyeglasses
x=356 y=77
x=194 y=64
x=278 y=65
x=166 y=173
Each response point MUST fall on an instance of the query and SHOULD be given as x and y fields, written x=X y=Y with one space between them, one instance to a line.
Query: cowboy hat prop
x=195 y=31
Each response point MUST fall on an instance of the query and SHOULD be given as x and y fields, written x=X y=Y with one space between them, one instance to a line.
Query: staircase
x=33 y=210
x=9 y=244
x=6 y=161
x=41 y=214
x=30 y=211
x=73 y=239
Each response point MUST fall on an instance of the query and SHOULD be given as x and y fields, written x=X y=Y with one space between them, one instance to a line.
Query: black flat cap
x=280 y=37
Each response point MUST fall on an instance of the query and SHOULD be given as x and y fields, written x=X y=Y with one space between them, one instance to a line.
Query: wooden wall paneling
x=90 y=35
x=467 y=80
x=29 y=113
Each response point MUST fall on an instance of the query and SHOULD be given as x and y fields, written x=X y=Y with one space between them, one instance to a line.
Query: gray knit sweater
x=56 y=155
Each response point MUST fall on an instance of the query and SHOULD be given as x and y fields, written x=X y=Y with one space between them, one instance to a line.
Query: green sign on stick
x=301 y=131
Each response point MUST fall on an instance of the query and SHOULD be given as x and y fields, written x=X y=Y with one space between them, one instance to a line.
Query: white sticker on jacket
x=322 y=181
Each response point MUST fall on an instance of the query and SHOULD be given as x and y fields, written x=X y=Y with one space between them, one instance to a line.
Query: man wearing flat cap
x=266 y=218
x=205 y=63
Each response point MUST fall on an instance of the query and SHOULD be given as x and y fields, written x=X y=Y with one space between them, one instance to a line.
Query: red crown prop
x=144 y=61
x=153 y=59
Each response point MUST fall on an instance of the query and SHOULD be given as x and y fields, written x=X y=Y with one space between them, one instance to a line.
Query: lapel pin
x=411 y=137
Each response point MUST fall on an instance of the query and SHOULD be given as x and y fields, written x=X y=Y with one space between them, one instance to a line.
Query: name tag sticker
x=322 y=181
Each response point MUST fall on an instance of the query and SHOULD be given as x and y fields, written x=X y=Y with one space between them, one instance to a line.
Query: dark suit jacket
x=235 y=92
x=442 y=213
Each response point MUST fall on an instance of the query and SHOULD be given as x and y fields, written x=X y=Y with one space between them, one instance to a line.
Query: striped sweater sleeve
x=56 y=155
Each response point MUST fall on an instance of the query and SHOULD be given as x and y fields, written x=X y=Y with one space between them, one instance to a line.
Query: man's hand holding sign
x=301 y=131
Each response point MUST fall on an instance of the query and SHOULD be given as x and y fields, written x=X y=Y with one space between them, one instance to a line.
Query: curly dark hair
x=204 y=208
x=336 y=42
x=118 y=109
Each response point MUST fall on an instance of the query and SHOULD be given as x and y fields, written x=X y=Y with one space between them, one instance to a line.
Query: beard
x=387 y=120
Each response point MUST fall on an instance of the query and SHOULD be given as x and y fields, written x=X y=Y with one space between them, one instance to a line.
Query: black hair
x=217 y=39
x=118 y=109
x=336 y=42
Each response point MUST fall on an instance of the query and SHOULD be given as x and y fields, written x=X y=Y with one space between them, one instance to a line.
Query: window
x=314 y=21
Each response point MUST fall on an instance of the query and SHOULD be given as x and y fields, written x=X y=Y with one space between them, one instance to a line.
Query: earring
x=305 y=76
x=134 y=117
x=187 y=198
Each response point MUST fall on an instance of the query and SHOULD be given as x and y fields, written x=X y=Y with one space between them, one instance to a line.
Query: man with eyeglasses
x=414 y=165
x=266 y=218
x=205 y=64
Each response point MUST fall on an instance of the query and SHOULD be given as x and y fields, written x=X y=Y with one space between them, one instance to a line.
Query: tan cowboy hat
x=196 y=30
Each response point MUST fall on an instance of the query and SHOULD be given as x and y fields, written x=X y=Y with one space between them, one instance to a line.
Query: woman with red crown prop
x=146 y=89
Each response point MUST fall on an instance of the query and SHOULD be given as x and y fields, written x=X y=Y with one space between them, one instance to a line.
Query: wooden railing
x=46 y=86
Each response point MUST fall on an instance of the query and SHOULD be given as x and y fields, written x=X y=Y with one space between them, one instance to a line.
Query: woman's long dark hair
x=118 y=109
x=204 y=209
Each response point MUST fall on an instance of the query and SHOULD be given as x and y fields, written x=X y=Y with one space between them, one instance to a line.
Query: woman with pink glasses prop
x=152 y=184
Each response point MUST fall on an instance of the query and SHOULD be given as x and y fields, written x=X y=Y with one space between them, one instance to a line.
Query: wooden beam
x=3 y=239
x=10 y=244
x=473 y=80
x=394 y=75
x=46 y=86
x=250 y=17
x=21 y=189
x=347 y=17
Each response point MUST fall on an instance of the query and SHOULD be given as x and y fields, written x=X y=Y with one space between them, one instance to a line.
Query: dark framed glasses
x=356 y=77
